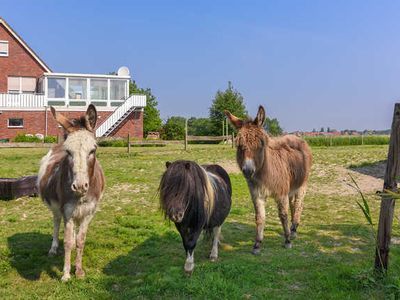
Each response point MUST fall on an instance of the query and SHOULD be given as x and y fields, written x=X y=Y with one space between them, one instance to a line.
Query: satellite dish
x=123 y=71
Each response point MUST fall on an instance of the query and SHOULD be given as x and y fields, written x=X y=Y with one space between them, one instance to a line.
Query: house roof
x=25 y=45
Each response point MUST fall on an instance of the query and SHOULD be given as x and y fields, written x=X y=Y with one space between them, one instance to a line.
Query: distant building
x=28 y=87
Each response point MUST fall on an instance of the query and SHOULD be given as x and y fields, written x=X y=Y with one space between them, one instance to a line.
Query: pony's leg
x=56 y=230
x=80 y=244
x=68 y=245
x=216 y=236
x=298 y=204
x=189 y=239
x=259 y=205
x=283 y=210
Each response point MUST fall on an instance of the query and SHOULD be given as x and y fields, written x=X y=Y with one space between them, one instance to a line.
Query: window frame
x=11 y=126
x=8 y=48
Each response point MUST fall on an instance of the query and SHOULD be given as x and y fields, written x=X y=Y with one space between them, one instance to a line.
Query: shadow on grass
x=29 y=255
x=375 y=169
x=154 y=268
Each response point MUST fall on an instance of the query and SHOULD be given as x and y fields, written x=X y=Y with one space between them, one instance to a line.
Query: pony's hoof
x=52 y=252
x=256 y=251
x=65 y=277
x=293 y=235
x=288 y=245
x=80 y=273
x=189 y=267
x=213 y=258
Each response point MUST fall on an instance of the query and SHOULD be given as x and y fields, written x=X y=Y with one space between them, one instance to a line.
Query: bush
x=113 y=143
x=50 y=139
x=23 y=138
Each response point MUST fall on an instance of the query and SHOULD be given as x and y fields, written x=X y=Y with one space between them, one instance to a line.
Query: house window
x=21 y=84
x=16 y=123
x=118 y=88
x=56 y=87
x=77 y=88
x=98 y=89
x=3 y=48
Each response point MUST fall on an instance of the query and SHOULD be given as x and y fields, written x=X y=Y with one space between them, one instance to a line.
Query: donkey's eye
x=68 y=153
x=92 y=152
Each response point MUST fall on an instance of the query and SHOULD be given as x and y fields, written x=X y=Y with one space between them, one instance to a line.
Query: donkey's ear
x=236 y=122
x=260 y=118
x=167 y=164
x=91 y=117
x=62 y=120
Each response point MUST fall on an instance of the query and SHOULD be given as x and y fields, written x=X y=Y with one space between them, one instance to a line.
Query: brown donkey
x=71 y=183
x=277 y=167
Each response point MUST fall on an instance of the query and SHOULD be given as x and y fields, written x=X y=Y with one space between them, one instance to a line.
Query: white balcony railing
x=22 y=100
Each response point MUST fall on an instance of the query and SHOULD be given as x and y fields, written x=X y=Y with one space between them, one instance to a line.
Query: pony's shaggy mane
x=188 y=184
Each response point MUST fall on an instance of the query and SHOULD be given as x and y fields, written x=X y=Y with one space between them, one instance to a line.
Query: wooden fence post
x=186 y=133
x=233 y=139
x=129 y=143
x=387 y=202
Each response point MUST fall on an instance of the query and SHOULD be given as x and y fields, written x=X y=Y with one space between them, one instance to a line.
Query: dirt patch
x=336 y=180
x=230 y=166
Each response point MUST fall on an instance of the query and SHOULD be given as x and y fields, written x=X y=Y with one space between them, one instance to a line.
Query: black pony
x=195 y=198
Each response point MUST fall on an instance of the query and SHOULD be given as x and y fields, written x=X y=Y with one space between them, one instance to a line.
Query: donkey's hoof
x=293 y=235
x=53 y=252
x=213 y=258
x=65 y=277
x=256 y=251
x=189 y=267
x=80 y=273
x=288 y=245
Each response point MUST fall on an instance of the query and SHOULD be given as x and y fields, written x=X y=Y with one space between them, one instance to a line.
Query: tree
x=231 y=100
x=200 y=126
x=151 y=116
x=272 y=127
x=173 y=129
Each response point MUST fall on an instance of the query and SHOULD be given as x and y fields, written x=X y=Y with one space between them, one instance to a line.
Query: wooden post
x=129 y=143
x=186 y=133
x=223 y=130
x=233 y=139
x=387 y=202
x=227 y=130
x=362 y=138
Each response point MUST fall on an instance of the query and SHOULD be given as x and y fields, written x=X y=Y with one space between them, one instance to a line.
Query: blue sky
x=310 y=63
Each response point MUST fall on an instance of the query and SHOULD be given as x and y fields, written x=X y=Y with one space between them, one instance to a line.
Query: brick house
x=28 y=87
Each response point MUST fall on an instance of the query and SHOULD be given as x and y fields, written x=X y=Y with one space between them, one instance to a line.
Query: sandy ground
x=330 y=180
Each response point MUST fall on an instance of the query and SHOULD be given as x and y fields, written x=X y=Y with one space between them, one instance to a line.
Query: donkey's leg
x=283 y=210
x=56 y=230
x=80 y=244
x=259 y=205
x=214 y=250
x=298 y=204
x=68 y=245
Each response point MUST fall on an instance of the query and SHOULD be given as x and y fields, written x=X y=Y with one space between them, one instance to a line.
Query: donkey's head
x=251 y=141
x=80 y=147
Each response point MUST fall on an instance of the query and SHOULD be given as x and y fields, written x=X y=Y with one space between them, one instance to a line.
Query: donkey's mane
x=185 y=182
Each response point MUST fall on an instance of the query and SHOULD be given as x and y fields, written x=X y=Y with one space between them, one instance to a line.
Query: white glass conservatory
x=80 y=90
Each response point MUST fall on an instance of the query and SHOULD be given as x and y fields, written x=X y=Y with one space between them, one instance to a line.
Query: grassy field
x=132 y=252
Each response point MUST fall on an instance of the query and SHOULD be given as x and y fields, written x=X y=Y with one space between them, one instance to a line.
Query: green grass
x=132 y=252
x=350 y=140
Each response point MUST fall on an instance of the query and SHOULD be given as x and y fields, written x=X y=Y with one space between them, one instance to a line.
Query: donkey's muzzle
x=248 y=168
x=80 y=188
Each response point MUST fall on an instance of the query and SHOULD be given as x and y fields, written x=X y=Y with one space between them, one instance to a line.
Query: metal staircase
x=134 y=102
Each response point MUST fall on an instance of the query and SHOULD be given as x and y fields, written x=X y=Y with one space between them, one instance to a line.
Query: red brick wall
x=18 y=62
x=35 y=122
